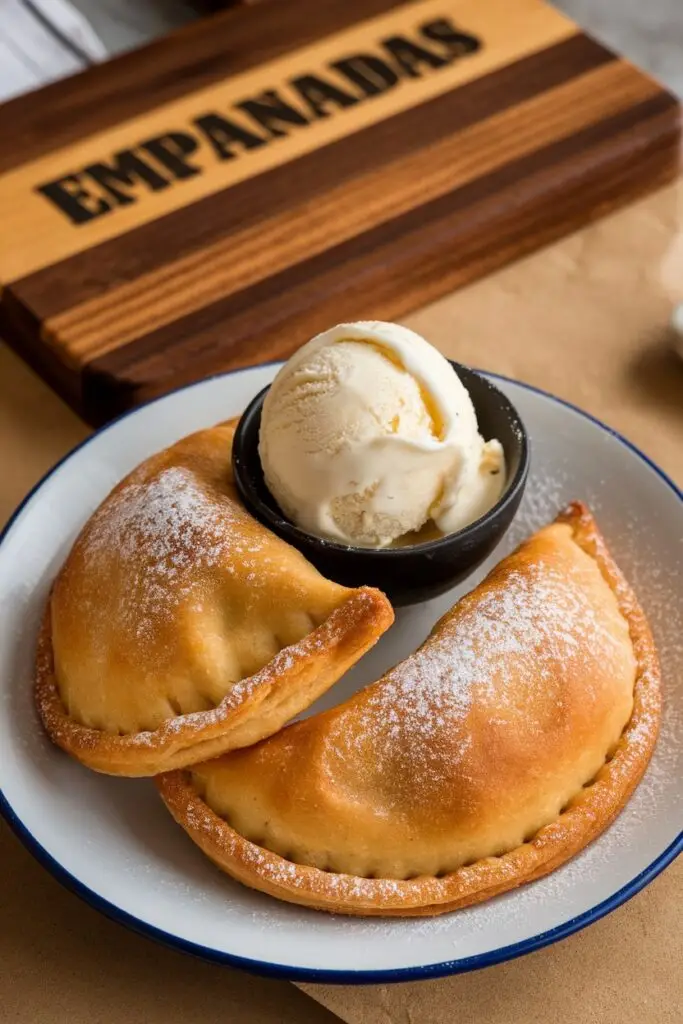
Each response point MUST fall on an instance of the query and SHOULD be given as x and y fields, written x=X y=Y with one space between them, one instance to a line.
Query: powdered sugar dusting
x=164 y=533
x=486 y=655
x=544 y=903
x=322 y=639
x=545 y=495
x=142 y=858
x=660 y=791
x=277 y=869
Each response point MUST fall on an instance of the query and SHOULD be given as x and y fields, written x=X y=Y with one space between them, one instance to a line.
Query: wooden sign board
x=214 y=199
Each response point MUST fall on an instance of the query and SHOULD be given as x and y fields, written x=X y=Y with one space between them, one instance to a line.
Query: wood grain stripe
x=522 y=130
x=442 y=244
x=197 y=227
x=41 y=236
x=191 y=59
x=185 y=286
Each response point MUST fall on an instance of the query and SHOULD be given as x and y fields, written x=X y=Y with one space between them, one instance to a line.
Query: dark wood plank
x=195 y=56
x=444 y=243
x=20 y=329
x=536 y=131
x=198 y=225
x=307 y=228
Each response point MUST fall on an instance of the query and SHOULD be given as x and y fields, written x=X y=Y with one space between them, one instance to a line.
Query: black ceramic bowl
x=405 y=574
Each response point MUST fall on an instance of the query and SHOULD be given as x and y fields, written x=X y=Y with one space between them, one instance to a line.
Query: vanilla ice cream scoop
x=368 y=434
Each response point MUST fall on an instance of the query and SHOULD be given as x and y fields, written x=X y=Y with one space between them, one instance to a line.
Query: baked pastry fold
x=489 y=757
x=180 y=627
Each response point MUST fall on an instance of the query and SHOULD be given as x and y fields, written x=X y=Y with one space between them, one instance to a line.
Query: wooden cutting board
x=216 y=198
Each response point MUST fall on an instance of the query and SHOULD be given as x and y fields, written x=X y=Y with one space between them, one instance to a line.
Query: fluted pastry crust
x=180 y=628
x=492 y=755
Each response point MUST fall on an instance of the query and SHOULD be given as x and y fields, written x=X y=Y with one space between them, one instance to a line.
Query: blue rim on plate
x=322 y=975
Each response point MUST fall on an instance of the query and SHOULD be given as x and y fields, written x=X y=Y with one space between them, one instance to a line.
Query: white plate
x=112 y=841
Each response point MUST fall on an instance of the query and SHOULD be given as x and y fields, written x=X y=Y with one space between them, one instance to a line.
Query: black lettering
x=409 y=56
x=127 y=169
x=223 y=134
x=269 y=110
x=442 y=30
x=71 y=198
x=170 y=150
x=318 y=93
x=370 y=74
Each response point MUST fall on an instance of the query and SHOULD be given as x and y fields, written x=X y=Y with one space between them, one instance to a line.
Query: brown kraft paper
x=585 y=319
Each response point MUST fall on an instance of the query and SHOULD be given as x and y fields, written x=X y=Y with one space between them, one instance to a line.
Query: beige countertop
x=586 y=319
x=61 y=961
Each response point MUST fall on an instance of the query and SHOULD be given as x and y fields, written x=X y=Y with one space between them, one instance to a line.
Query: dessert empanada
x=498 y=750
x=180 y=627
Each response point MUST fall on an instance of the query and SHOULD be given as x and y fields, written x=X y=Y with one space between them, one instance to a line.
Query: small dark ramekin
x=405 y=574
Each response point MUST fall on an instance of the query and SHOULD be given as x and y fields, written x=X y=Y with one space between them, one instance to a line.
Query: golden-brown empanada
x=499 y=749
x=180 y=627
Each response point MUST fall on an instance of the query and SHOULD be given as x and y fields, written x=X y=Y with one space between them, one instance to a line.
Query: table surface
x=585 y=319
x=619 y=278
x=56 y=951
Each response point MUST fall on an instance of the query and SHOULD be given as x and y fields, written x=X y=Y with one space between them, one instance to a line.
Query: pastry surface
x=179 y=627
x=486 y=759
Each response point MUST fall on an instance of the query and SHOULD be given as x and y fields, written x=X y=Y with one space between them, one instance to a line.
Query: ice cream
x=368 y=434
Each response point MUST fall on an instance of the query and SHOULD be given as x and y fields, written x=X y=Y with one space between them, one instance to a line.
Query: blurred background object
x=650 y=34
x=677 y=327
x=41 y=40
